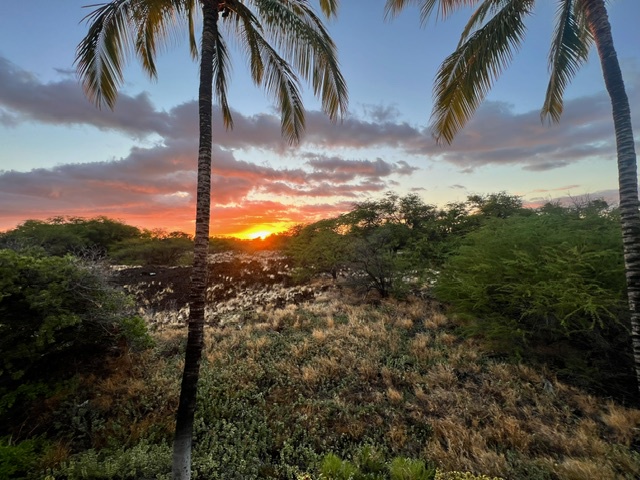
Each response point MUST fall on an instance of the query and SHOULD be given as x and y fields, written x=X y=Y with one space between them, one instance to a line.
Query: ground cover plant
x=285 y=389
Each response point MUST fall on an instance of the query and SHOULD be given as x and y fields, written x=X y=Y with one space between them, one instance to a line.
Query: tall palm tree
x=281 y=38
x=487 y=44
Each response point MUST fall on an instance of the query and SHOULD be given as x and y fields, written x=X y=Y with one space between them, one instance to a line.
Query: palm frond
x=297 y=32
x=478 y=17
x=466 y=76
x=221 y=67
x=392 y=8
x=116 y=30
x=270 y=70
x=102 y=53
x=569 y=51
x=329 y=8
x=156 y=21
x=445 y=7
x=247 y=28
x=191 y=11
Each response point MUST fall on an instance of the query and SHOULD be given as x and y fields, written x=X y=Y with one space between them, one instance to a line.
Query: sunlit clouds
x=259 y=183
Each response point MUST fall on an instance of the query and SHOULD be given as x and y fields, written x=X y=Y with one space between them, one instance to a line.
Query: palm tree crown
x=282 y=39
x=486 y=47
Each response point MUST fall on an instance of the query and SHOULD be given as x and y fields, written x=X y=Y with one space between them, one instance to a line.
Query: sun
x=262 y=234
x=262 y=230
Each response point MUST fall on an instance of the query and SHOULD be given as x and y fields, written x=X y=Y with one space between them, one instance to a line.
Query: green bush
x=63 y=235
x=58 y=315
x=369 y=464
x=409 y=469
x=154 y=248
x=551 y=285
x=16 y=460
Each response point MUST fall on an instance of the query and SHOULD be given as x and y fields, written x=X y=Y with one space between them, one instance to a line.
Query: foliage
x=365 y=383
x=62 y=235
x=548 y=281
x=386 y=242
x=319 y=248
x=58 y=316
x=143 y=460
x=17 y=460
x=440 y=475
x=377 y=255
x=154 y=248
x=408 y=469
x=370 y=465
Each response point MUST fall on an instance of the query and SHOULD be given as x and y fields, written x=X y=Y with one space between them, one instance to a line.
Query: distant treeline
x=103 y=237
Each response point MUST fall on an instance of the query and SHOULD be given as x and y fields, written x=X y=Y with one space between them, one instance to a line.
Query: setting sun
x=259 y=234
x=262 y=230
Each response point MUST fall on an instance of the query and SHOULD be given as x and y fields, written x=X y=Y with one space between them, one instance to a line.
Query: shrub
x=409 y=469
x=17 y=459
x=63 y=235
x=369 y=464
x=58 y=315
x=551 y=285
x=155 y=248
x=143 y=460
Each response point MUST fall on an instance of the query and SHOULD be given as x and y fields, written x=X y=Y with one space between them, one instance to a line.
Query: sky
x=60 y=155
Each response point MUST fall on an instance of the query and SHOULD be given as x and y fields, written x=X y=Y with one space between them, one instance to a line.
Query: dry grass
x=397 y=375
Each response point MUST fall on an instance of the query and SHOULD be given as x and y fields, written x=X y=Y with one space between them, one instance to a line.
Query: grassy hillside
x=283 y=388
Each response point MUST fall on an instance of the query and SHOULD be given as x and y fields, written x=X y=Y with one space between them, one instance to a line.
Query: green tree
x=75 y=235
x=382 y=237
x=155 y=247
x=319 y=248
x=280 y=38
x=487 y=44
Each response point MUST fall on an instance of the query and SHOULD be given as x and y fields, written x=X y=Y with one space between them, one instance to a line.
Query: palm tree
x=487 y=44
x=280 y=37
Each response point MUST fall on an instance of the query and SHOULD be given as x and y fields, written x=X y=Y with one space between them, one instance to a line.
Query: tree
x=280 y=38
x=63 y=235
x=487 y=44
x=319 y=248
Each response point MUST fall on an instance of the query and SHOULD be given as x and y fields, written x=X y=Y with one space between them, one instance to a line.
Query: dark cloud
x=63 y=103
x=496 y=135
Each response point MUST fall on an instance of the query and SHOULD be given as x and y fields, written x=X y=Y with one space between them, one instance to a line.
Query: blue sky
x=60 y=155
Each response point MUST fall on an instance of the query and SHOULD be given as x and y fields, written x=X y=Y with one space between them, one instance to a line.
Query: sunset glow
x=61 y=156
x=260 y=234
x=259 y=231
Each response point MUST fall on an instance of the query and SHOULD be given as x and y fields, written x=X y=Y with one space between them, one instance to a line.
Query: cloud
x=381 y=113
x=336 y=165
x=63 y=103
x=497 y=135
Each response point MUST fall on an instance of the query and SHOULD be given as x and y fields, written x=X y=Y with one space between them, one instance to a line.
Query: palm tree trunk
x=195 y=340
x=598 y=21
